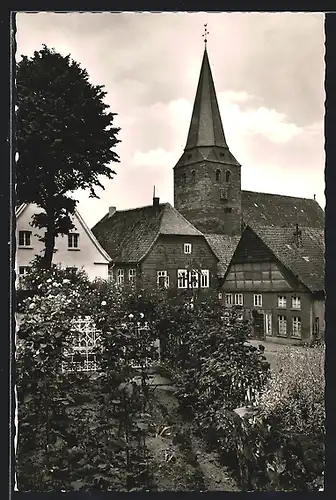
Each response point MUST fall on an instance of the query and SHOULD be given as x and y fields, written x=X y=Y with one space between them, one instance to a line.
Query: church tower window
x=193 y=176
x=227 y=176
x=218 y=175
x=184 y=178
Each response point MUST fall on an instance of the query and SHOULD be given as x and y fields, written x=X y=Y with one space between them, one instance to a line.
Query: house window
x=187 y=248
x=282 y=302
x=296 y=303
x=182 y=278
x=162 y=279
x=131 y=275
x=238 y=299
x=227 y=176
x=120 y=276
x=228 y=210
x=23 y=270
x=25 y=238
x=257 y=300
x=218 y=175
x=205 y=278
x=194 y=279
x=296 y=327
x=220 y=295
x=73 y=240
x=282 y=325
x=193 y=176
x=228 y=299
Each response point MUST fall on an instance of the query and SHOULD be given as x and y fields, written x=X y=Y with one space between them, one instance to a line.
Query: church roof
x=305 y=261
x=278 y=210
x=206 y=128
x=128 y=235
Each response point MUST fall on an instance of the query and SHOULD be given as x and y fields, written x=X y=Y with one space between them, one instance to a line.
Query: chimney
x=297 y=237
x=315 y=197
x=112 y=211
x=156 y=200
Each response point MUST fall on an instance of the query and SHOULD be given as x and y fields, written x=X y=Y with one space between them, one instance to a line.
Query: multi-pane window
x=24 y=238
x=187 y=248
x=205 y=278
x=131 y=275
x=282 y=302
x=162 y=279
x=282 y=325
x=296 y=303
x=228 y=299
x=182 y=278
x=120 y=276
x=194 y=279
x=257 y=300
x=23 y=270
x=73 y=240
x=296 y=327
x=238 y=299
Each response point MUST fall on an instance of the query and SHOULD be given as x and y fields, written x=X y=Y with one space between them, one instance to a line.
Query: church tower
x=207 y=177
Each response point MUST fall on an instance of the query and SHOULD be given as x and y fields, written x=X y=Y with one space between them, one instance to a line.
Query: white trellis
x=82 y=354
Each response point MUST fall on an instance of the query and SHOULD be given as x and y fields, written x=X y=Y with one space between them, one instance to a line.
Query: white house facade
x=79 y=249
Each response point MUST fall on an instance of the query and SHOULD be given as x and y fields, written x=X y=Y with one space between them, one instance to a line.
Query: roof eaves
x=92 y=237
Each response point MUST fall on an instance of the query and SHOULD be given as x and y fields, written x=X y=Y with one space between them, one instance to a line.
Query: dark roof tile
x=223 y=247
x=279 y=210
x=128 y=235
x=305 y=261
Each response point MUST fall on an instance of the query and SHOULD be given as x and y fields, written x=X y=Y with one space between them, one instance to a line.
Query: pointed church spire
x=206 y=127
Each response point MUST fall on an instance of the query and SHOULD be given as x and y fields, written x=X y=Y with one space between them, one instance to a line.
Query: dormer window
x=218 y=175
x=227 y=176
x=193 y=176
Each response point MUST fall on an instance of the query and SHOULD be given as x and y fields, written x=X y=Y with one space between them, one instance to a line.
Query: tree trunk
x=49 y=245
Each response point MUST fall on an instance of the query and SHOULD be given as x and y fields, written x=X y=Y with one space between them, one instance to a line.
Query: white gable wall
x=88 y=256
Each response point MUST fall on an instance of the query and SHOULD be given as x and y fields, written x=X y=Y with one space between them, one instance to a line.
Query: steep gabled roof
x=223 y=247
x=306 y=262
x=21 y=208
x=206 y=128
x=128 y=235
x=278 y=210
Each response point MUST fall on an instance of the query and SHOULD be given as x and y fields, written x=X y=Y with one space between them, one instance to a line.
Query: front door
x=258 y=324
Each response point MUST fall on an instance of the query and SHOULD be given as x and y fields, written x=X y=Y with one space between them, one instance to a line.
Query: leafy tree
x=65 y=139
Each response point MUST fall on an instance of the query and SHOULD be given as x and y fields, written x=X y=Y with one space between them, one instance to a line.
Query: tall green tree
x=64 y=137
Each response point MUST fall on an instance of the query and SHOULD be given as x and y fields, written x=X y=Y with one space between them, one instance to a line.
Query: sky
x=268 y=70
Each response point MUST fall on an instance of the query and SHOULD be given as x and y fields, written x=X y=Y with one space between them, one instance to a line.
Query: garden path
x=184 y=462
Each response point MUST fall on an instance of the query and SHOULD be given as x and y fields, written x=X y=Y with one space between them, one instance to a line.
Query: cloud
x=154 y=158
x=241 y=121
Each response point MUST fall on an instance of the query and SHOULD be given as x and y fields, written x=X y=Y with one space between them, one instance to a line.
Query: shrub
x=281 y=446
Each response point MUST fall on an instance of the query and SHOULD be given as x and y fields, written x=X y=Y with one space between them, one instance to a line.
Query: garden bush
x=77 y=431
x=279 y=446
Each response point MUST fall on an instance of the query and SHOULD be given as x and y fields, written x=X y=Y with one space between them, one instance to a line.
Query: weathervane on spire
x=206 y=32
